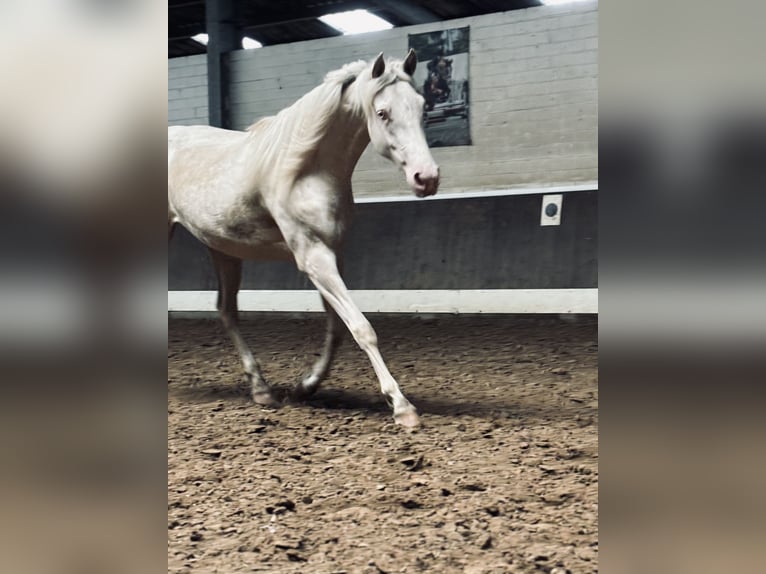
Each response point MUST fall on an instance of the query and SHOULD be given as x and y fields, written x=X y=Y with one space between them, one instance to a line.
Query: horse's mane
x=294 y=133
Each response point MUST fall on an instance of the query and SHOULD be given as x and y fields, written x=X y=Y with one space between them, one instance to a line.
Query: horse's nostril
x=417 y=179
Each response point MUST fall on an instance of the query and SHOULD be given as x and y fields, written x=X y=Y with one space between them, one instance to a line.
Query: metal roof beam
x=409 y=11
x=285 y=13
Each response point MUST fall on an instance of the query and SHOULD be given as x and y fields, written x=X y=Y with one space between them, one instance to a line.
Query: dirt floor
x=501 y=477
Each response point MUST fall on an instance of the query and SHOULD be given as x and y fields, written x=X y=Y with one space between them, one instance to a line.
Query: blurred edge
x=83 y=302
x=83 y=329
x=682 y=282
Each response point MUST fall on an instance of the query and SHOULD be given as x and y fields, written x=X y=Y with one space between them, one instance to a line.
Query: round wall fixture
x=550 y=209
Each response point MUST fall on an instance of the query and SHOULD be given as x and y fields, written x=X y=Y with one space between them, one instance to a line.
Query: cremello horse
x=282 y=189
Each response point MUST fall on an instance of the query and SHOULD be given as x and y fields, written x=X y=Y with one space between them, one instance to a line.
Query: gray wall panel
x=481 y=243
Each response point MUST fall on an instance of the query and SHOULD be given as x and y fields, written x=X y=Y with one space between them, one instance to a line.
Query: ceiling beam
x=284 y=15
x=410 y=12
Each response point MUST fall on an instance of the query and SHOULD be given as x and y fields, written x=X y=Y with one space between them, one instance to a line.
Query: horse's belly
x=250 y=235
x=268 y=244
x=277 y=251
x=241 y=233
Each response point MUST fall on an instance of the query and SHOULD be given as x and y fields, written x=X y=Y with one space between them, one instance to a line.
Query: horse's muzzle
x=425 y=181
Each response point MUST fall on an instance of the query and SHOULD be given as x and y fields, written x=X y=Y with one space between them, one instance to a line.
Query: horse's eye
x=382 y=114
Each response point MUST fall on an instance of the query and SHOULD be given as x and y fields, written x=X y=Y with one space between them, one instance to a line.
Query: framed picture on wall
x=442 y=79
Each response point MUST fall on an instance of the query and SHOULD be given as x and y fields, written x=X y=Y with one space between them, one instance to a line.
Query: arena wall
x=533 y=82
x=533 y=118
x=187 y=90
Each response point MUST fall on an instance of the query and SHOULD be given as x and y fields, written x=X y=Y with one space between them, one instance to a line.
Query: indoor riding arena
x=483 y=297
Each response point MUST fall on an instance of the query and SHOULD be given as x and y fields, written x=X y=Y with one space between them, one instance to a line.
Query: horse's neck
x=343 y=144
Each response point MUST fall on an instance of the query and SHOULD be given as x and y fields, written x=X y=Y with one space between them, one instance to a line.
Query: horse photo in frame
x=442 y=78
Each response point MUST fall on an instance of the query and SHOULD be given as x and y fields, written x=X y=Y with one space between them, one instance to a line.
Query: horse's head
x=395 y=124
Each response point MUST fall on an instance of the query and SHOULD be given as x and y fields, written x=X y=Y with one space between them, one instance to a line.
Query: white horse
x=282 y=189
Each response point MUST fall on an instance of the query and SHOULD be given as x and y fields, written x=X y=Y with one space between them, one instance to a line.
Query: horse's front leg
x=333 y=336
x=318 y=261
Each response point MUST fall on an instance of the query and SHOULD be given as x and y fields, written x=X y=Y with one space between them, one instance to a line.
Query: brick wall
x=533 y=75
x=187 y=90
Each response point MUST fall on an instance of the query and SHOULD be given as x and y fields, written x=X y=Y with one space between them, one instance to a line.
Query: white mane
x=292 y=135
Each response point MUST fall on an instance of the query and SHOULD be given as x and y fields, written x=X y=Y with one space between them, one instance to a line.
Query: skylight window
x=356 y=22
x=248 y=43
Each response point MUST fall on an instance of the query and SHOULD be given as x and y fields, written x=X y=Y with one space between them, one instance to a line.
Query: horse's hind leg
x=321 y=368
x=229 y=272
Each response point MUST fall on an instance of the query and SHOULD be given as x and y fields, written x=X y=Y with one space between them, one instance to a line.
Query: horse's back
x=199 y=159
x=180 y=137
x=195 y=152
x=210 y=194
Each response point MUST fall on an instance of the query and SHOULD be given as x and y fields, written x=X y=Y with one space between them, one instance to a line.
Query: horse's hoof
x=265 y=399
x=408 y=419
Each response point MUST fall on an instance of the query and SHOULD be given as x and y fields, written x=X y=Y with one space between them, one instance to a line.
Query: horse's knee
x=316 y=261
x=365 y=335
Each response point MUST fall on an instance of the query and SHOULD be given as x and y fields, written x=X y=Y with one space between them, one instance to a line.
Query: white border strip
x=591 y=186
x=405 y=301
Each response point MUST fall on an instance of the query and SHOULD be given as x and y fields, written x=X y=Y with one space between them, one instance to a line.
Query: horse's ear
x=410 y=62
x=379 y=66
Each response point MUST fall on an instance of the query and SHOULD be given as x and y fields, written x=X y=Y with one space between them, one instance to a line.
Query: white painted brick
x=187 y=90
x=190 y=81
x=197 y=91
x=534 y=113
x=573 y=33
x=575 y=59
